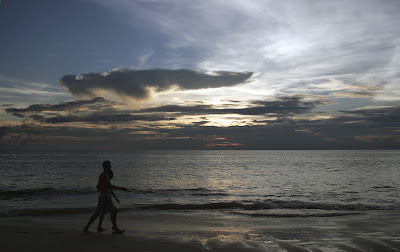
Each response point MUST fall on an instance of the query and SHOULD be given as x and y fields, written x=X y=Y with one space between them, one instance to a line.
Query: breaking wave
x=271 y=204
x=234 y=207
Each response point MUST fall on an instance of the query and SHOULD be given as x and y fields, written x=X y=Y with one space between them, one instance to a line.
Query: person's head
x=107 y=165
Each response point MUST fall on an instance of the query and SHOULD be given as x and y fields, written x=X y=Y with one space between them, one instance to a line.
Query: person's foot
x=118 y=231
x=99 y=229
x=86 y=231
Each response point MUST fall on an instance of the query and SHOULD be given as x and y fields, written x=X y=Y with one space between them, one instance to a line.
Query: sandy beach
x=42 y=238
x=377 y=231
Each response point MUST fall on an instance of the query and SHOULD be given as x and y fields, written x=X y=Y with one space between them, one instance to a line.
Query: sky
x=126 y=75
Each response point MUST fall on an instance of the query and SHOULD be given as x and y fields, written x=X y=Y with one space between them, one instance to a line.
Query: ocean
x=253 y=183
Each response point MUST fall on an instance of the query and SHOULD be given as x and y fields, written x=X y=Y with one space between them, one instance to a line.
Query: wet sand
x=368 y=232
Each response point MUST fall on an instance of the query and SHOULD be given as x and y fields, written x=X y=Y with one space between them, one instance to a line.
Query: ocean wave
x=191 y=191
x=141 y=191
x=294 y=215
x=384 y=187
x=89 y=210
x=41 y=191
x=54 y=211
x=50 y=191
x=254 y=209
x=271 y=204
x=44 y=212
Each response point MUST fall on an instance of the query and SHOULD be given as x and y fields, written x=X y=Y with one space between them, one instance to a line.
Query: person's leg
x=91 y=220
x=113 y=215
x=114 y=221
x=99 y=228
x=99 y=210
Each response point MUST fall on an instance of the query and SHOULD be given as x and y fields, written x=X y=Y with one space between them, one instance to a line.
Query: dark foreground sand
x=39 y=238
x=369 y=232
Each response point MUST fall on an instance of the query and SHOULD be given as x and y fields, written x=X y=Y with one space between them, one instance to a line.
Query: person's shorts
x=105 y=204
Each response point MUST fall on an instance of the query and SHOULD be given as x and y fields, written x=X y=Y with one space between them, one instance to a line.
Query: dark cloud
x=66 y=106
x=353 y=122
x=135 y=83
x=99 y=117
x=18 y=135
x=361 y=94
x=282 y=106
x=289 y=105
x=387 y=115
x=91 y=111
x=100 y=110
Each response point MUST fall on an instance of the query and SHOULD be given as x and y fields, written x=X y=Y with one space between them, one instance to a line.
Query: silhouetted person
x=99 y=228
x=105 y=204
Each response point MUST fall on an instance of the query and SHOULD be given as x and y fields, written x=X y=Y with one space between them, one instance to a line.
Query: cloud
x=92 y=111
x=354 y=94
x=390 y=116
x=366 y=120
x=100 y=117
x=145 y=57
x=282 y=106
x=287 y=42
x=66 y=106
x=101 y=110
x=351 y=88
x=139 y=83
x=368 y=128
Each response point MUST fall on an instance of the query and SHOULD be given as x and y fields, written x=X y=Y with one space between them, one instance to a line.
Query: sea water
x=226 y=183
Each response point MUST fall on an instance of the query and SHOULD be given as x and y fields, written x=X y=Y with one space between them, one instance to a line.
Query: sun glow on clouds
x=229 y=120
x=223 y=121
x=211 y=96
x=315 y=117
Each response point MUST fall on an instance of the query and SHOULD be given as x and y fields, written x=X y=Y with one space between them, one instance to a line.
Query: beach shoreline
x=372 y=231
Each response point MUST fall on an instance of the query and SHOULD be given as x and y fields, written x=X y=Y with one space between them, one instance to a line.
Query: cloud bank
x=282 y=106
x=138 y=84
x=66 y=106
x=91 y=111
x=356 y=129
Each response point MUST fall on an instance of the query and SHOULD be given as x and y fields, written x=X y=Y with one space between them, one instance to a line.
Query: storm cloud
x=136 y=83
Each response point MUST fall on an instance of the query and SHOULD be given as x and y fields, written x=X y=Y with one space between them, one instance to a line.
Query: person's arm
x=113 y=194
x=118 y=188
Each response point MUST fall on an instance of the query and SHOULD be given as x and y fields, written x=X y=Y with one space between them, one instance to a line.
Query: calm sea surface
x=252 y=183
